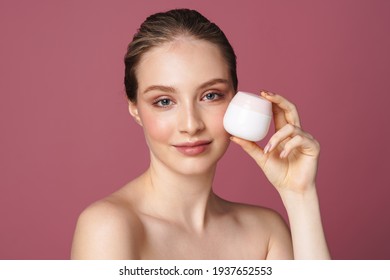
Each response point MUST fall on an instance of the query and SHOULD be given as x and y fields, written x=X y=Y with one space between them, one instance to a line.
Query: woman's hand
x=289 y=161
x=290 y=158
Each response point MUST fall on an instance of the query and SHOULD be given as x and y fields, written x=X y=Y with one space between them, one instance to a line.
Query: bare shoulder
x=107 y=229
x=247 y=213
x=266 y=223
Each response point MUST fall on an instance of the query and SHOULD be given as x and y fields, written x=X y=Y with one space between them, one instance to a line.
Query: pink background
x=66 y=138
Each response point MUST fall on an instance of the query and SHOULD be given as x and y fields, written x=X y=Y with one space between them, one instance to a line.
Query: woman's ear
x=134 y=112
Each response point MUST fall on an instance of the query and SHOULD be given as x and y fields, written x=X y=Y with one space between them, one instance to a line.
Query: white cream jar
x=248 y=116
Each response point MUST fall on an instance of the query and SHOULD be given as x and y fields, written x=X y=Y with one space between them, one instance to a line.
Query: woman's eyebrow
x=213 y=82
x=169 y=89
x=162 y=88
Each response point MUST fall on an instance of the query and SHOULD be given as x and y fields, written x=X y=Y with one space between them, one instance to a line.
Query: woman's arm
x=306 y=226
x=289 y=161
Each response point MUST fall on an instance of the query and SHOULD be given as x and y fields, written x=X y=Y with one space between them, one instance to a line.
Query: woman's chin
x=195 y=168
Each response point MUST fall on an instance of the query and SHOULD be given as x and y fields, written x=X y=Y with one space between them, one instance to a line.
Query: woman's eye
x=212 y=96
x=163 y=102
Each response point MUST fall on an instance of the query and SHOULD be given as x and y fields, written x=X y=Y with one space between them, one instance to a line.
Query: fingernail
x=267 y=148
x=270 y=93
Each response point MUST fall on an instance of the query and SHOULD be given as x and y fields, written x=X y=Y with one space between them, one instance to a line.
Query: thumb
x=251 y=148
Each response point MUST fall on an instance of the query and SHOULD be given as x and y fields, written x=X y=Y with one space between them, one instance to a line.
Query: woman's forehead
x=182 y=62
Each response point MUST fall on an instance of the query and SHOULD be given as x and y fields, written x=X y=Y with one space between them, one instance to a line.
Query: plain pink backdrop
x=66 y=138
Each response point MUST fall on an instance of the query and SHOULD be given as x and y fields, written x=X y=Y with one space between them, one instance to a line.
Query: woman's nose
x=190 y=120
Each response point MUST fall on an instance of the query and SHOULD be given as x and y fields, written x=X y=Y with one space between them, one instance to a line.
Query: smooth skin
x=289 y=161
x=170 y=211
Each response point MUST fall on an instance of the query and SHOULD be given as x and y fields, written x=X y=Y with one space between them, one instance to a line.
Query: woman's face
x=184 y=88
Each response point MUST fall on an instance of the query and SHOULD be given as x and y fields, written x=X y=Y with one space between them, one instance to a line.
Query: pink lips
x=192 y=148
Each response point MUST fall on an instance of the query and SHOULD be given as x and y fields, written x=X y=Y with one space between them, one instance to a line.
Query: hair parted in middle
x=167 y=26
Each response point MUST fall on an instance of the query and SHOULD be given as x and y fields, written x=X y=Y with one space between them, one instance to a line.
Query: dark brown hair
x=164 y=27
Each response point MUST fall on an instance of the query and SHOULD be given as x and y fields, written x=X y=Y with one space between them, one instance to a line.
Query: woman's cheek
x=218 y=125
x=157 y=127
x=219 y=132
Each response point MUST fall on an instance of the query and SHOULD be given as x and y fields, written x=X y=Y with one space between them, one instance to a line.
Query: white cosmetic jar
x=248 y=116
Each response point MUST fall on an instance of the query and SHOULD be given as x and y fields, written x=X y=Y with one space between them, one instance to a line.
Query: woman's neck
x=185 y=199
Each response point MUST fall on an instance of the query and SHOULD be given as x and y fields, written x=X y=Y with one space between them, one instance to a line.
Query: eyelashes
x=166 y=102
x=162 y=102
x=213 y=96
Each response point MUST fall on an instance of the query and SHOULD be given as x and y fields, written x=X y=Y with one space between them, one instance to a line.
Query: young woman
x=180 y=77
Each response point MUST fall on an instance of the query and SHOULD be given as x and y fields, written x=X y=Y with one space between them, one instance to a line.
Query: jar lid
x=253 y=102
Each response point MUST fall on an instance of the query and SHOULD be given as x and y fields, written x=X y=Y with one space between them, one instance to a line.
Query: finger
x=283 y=110
x=251 y=148
x=305 y=145
x=286 y=132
